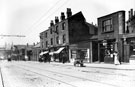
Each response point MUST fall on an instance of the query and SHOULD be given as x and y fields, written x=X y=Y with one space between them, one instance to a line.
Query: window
x=46 y=43
x=63 y=26
x=51 y=41
x=56 y=30
x=57 y=40
x=50 y=30
x=46 y=34
x=64 y=38
x=107 y=25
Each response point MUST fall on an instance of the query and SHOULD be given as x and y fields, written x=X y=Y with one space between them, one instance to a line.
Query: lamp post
x=104 y=43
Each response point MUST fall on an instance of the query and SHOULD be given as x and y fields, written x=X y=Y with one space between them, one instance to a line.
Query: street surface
x=35 y=74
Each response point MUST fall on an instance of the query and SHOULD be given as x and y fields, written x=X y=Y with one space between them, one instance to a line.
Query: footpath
x=123 y=66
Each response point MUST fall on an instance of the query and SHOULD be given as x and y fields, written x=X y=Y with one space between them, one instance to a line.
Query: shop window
x=107 y=25
x=132 y=49
x=73 y=54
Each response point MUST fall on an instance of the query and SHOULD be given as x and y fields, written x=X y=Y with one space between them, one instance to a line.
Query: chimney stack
x=33 y=44
x=69 y=13
x=62 y=16
x=131 y=13
x=56 y=19
x=51 y=24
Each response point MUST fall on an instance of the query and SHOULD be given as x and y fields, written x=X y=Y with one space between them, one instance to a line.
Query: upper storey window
x=46 y=34
x=50 y=30
x=107 y=25
x=63 y=26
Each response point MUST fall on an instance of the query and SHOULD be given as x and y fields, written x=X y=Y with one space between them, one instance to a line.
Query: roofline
x=111 y=14
x=61 y=21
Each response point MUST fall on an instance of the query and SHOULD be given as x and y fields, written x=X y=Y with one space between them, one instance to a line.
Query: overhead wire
x=54 y=11
x=47 y=12
x=51 y=14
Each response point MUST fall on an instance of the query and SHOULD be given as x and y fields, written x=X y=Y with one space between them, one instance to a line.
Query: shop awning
x=57 y=52
x=42 y=53
x=51 y=53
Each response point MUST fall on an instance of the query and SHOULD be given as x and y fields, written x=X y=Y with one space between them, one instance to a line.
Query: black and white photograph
x=67 y=43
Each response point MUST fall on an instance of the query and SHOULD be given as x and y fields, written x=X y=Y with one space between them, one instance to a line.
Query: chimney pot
x=56 y=19
x=69 y=12
x=131 y=13
x=51 y=24
x=62 y=16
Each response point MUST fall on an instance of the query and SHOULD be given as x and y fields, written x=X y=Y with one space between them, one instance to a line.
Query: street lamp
x=104 y=42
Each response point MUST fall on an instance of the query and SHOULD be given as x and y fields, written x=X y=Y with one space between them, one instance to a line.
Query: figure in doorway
x=116 y=59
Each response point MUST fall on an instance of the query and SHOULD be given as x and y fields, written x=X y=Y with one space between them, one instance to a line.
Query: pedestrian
x=64 y=57
x=116 y=60
x=26 y=57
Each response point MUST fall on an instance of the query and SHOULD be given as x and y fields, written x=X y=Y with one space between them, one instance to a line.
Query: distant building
x=67 y=35
x=18 y=52
x=35 y=52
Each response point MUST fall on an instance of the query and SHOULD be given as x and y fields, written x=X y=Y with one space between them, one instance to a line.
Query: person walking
x=116 y=60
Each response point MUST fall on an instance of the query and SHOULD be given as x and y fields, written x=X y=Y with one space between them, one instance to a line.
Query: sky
x=31 y=17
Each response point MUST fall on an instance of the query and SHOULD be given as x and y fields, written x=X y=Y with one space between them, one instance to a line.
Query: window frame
x=56 y=29
x=51 y=41
x=64 y=38
x=46 y=43
x=107 y=25
x=46 y=34
x=50 y=30
x=57 y=39
x=63 y=25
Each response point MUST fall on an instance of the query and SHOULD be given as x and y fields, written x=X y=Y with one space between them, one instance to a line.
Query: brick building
x=129 y=37
x=67 y=36
x=111 y=28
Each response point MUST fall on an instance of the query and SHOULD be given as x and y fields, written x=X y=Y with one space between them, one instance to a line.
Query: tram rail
x=54 y=72
x=1 y=78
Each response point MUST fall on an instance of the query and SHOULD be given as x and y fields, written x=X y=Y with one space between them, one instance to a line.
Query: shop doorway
x=102 y=53
x=94 y=51
x=132 y=51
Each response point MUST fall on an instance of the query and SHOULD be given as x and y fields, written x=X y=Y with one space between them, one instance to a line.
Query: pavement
x=123 y=66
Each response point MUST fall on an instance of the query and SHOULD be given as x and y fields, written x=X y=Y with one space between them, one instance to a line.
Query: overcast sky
x=30 y=17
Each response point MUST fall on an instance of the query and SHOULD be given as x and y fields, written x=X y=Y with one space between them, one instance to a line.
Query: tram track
x=58 y=73
x=1 y=77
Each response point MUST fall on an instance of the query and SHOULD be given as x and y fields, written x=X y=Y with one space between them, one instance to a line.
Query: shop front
x=81 y=48
x=60 y=54
x=131 y=49
x=107 y=48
